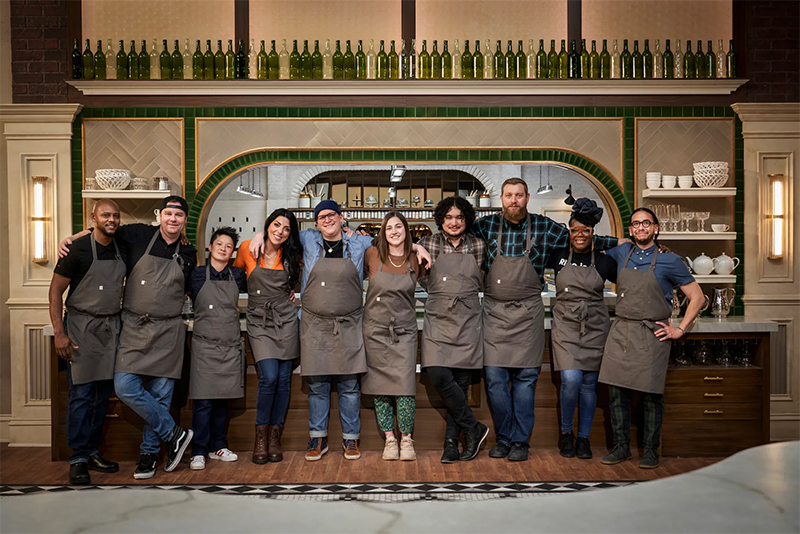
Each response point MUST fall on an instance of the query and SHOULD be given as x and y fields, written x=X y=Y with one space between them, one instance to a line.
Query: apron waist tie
x=650 y=324
x=217 y=342
x=580 y=310
x=456 y=300
x=276 y=318
x=392 y=333
x=141 y=320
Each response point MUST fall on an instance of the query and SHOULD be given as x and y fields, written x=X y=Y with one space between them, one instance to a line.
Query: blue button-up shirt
x=354 y=248
x=670 y=270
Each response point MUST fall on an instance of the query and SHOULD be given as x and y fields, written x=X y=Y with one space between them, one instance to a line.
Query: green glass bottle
x=647 y=60
x=411 y=68
x=87 y=63
x=219 y=62
x=338 y=62
x=360 y=62
x=394 y=62
x=197 y=63
x=605 y=62
x=552 y=61
x=262 y=63
x=521 y=62
x=306 y=68
x=689 y=69
x=594 y=62
x=349 y=63
x=563 y=61
x=730 y=61
x=177 y=63
x=477 y=61
x=574 y=61
x=467 y=72
x=404 y=70
x=436 y=62
x=637 y=61
x=541 y=62
x=77 y=61
x=240 y=63
x=668 y=63
x=316 y=62
x=625 y=62
x=165 y=62
x=273 y=63
x=711 y=62
x=700 y=61
x=382 y=63
x=425 y=64
x=295 y=64
x=144 y=62
x=99 y=62
x=447 y=63
x=133 y=62
x=510 y=63
x=499 y=62
x=584 y=61
x=208 y=62
x=122 y=62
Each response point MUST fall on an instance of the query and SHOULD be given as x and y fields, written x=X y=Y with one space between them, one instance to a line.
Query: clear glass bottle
x=187 y=60
x=155 y=65
x=488 y=62
x=372 y=59
x=252 y=57
x=412 y=60
x=530 y=61
x=721 y=71
x=327 y=61
x=283 y=61
x=657 y=66
x=456 y=61
x=111 y=62
x=403 y=60
x=678 y=60
x=615 y=70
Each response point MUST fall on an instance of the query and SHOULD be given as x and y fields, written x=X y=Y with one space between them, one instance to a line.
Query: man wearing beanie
x=150 y=354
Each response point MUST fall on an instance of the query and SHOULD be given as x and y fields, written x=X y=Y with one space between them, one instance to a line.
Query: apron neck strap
x=628 y=257
x=94 y=246
x=527 y=234
x=571 y=250
x=653 y=262
x=592 y=264
x=208 y=272
x=152 y=242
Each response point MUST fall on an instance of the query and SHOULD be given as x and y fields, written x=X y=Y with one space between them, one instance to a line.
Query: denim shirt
x=354 y=248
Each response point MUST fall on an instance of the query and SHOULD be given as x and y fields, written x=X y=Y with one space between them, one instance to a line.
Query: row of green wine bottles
x=338 y=65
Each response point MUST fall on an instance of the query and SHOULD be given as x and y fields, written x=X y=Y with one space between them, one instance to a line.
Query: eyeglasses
x=459 y=218
x=643 y=224
x=581 y=231
x=328 y=217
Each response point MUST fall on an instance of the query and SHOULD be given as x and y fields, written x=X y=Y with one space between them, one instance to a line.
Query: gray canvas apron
x=452 y=333
x=390 y=334
x=92 y=320
x=513 y=312
x=580 y=318
x=331 y=340
x=272 y=323
x=151 y=341
x=634 y=357
x=218 y=365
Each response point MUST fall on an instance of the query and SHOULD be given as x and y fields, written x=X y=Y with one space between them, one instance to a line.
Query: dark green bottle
x=197 y=63
x=144 y=62
x=295 y=63
x=394 y=62
x=700 y=61
x=499 y=62
x=133 y=62
x=382 y=64
x=510 y=63
x=338 y=62
x=541 y=62
x=730 y=60
x=563 y=61
x=349 y=63
x=87 y=63
x=436 y=62
x=521 y=62
x=404 y=70
x=360 y=62
x=165 y=62
x=594 y=62
x=240 y=63
x=638 y=62
x=447 y=63
x=208 y=62
x=122 y=62
x=574 y=61
x=647 y=59
x=273 y=63
x=553 y=70
x=99 y=62
x=177 y=63
x=262 y=63
x=219 y=62
x=316 y=62
x=605 y=62
x=584 y=60
x=711 y=62
x=477 y=61
x=689 y=69
x=467 y=72
x=668 y=63
x=230 y=62
x=306 y=67
x=77 y=61
x=625 y=62
x=425 y=64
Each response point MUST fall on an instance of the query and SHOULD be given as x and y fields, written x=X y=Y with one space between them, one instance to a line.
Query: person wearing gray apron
x=580 y=324
x=217 y=349
x=87 y=336
x=637 y=349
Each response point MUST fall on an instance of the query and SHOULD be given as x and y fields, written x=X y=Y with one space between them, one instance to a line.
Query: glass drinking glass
x=662 y=213
x=681 y=358
x=702 y=216
x=724 y=358
x=702 y=356
x=674 y=216
x=687 y=217
x=743 y=358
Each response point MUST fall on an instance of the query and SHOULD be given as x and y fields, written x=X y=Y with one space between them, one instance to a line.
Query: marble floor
x=756 y=490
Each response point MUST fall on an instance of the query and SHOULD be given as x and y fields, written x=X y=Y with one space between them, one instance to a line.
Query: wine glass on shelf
x=743 y=358
x=681 y=358
x=674 y=212
x=723 y=357
x=702 y=216
x=687 y=217
x=662 y=214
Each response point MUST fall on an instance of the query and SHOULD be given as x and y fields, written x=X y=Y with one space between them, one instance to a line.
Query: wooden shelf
x=715 y=278
x=125 y=193
x=697 y=236
x=693 y=192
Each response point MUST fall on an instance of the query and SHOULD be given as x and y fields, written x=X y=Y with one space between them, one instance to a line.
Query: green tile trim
x=76 y=178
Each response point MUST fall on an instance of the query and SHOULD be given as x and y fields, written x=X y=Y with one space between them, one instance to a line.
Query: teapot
x=725 y=264
x=722 y=301
x=702 y=264
x=678 y=302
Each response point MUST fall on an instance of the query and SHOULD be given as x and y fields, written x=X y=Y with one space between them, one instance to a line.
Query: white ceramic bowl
x=653 y=183
x=685 y=182
x=114 y=179
x=668 y=181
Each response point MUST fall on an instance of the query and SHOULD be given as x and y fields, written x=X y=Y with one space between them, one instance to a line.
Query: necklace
x=331 y=247
x=393 y=263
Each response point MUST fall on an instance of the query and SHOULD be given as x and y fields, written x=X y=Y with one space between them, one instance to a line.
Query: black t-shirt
x=199 y=278
x=77 y=262
x=136 y=238
x=338 y=250
x=605 y=265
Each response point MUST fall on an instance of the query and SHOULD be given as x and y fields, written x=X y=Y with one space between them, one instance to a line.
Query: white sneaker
x=390 y=449
x=198 y=462
x=407 y=453
x=224 y=454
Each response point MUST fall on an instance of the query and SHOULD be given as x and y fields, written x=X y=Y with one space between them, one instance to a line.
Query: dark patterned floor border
x=382 y=492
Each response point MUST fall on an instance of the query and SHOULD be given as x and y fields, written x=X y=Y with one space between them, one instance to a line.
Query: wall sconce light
x=397 y=173
x=776 y=216
x=39 y=218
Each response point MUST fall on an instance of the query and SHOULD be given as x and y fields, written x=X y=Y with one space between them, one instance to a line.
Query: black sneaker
x=584 y=449
x=474 y=441
x=79 y=474
x=450 y=454
x=146 y=468
x=177 y=446
x=649 y=459
x=568 y=445
x=500 y=450
x=617 y=454
x=98 y=463
x=519 y=452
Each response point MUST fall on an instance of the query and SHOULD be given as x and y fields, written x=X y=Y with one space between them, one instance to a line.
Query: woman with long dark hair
x=390 y=333
x=273 y=326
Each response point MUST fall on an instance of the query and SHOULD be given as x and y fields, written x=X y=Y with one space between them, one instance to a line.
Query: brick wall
x=39 y=51
x=773 y=50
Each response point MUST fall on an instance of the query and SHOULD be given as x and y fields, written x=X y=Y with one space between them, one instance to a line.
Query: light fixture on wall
x=776 y=215
x=397 y=173
x=40 y=218
x=544 y=189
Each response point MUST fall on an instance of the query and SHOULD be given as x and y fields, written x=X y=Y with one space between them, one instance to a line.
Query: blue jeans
x=512 y=408
x=151 y=402
x=210 y=425
x=574 y=381
x=274 y=385
x=319 y=405
x=86 y=413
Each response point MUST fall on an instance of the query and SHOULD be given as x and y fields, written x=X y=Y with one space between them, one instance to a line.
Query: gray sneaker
x=619 y=453
x=649 y=459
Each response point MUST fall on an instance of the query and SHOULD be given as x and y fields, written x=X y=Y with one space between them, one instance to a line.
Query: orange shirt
x=245 y=261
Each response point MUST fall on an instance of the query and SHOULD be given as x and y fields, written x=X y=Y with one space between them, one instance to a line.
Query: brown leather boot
x=274 y=447
x=260 y=445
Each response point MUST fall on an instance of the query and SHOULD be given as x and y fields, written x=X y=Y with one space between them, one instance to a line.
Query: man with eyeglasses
x=518 y=247
x=638 y=346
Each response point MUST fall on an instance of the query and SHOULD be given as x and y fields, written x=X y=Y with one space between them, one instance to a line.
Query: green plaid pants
x=619 y=403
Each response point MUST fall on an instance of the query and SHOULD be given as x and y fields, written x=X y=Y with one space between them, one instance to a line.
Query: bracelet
x=681 y=329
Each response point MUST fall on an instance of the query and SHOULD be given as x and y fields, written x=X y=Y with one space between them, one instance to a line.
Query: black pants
x=452 y=385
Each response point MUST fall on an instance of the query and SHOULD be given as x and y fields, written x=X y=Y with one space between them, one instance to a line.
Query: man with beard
x=513 y=312
x=452 y=340
x=86 y=337
x=638 y=346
